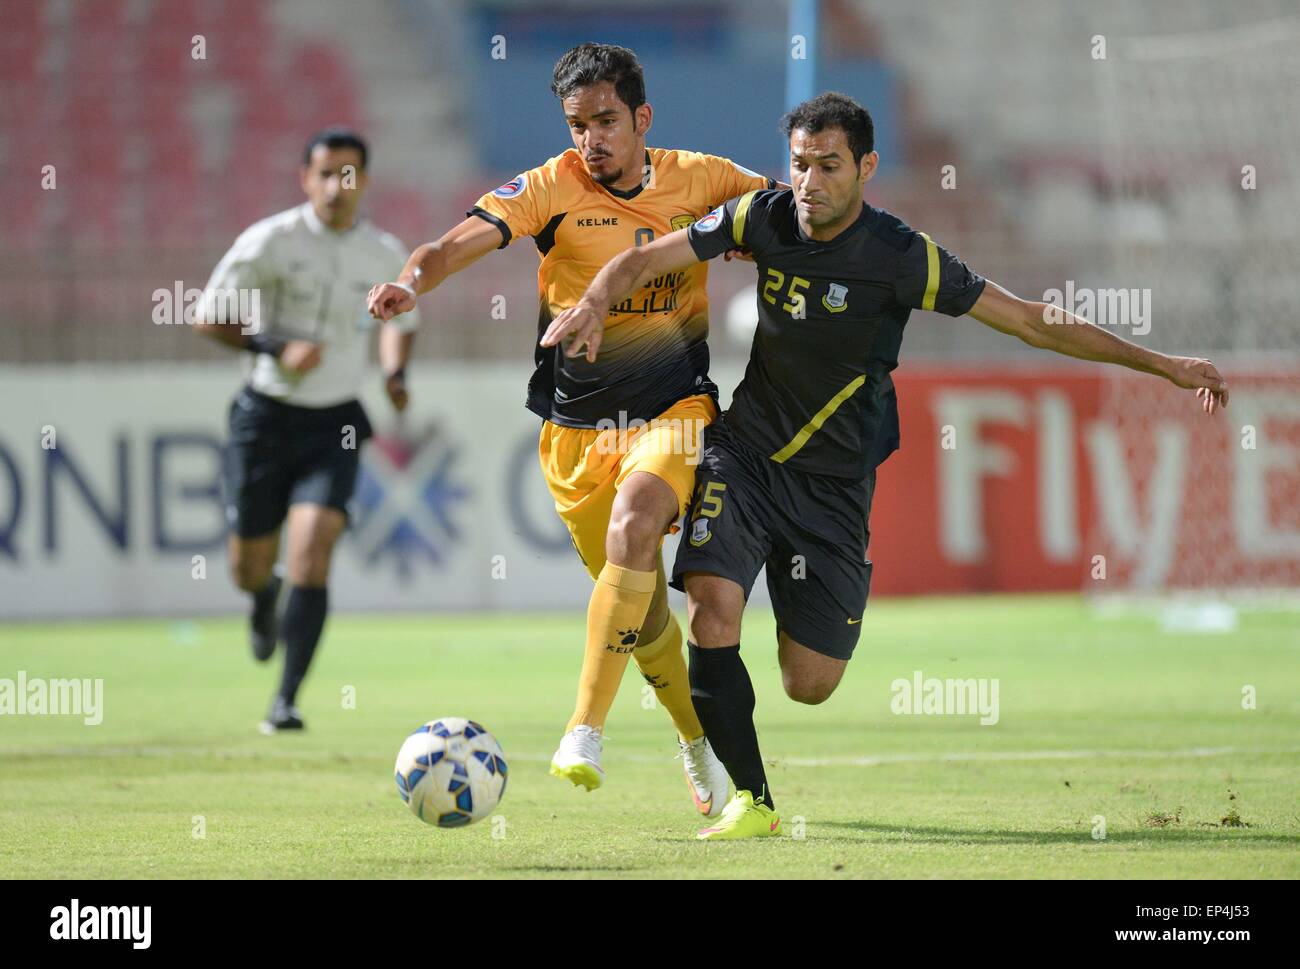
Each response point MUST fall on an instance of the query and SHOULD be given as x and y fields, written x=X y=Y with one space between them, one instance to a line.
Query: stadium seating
x=163 y=159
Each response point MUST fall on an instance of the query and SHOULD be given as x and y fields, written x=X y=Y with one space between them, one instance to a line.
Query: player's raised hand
x=300 y=356
x=386 y=300
x=583 y=325
x=744 y=254
x=1201 y=375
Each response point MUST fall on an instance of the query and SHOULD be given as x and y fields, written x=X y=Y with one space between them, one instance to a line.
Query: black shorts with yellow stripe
x=810 y=530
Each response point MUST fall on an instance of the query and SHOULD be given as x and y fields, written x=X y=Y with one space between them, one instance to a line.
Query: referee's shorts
x=281 y=454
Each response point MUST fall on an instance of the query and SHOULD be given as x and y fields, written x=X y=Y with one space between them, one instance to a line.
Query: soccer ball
x=451 y=772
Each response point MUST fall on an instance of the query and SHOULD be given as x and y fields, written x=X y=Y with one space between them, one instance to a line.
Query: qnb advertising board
x=1007 y=479
x=123 y=514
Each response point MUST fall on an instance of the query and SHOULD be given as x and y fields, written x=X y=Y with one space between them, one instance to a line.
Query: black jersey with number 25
x=817 y=395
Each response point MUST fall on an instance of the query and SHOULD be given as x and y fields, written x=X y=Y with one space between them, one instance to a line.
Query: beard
x=606 y=178
x=824 y=216
x=822 y=220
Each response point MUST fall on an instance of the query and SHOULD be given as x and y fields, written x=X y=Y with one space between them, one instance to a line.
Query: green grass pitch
x=1098 y=717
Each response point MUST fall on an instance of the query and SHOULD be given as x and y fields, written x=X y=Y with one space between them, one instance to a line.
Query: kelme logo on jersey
x=511 y=188
x=835 y=298
x=700 y=532
x=710 y=221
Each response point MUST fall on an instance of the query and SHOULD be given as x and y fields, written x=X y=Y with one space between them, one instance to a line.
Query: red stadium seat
x=400 y=210
x=20 y=17
x=170 y=207
x=92 y=213
x=20 y=53
x=177 y=15
x=172 y=149
x=27 y=208
x=27 y=103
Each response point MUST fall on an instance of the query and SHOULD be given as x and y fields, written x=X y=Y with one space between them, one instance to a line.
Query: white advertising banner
x=110 y=499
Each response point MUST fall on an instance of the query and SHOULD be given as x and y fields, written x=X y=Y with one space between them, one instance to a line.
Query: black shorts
x=810 y=531
x=280 y=455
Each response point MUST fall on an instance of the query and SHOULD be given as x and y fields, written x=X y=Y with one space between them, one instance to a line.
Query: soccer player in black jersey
x=788 y=471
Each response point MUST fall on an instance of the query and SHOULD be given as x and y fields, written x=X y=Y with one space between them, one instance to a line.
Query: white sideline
x=881 y=760
x=1025 y=755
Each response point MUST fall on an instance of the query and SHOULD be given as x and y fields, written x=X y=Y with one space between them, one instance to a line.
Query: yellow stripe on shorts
x=809 y=429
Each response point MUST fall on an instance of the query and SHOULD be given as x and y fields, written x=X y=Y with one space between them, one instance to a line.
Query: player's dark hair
x=834 y=110
x=335 y=137
x=590 y=63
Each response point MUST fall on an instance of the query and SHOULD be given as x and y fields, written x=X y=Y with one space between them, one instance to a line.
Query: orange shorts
x=584 y=467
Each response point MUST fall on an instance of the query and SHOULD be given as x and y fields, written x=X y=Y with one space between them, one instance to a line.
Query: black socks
x=304 y=618
x=267 y=594
x=724 y=702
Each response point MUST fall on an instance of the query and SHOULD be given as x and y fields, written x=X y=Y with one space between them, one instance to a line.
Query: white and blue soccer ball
x=451 y=772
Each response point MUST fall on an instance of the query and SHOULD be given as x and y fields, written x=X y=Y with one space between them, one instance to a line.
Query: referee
x=291 y=293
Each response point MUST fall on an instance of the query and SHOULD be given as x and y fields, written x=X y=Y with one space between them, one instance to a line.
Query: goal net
x=1203 y=161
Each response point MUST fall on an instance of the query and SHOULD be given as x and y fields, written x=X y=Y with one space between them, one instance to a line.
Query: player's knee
x=808 y=691
x=633 y=537
x=712 y=626
x=249 y=574
x=310 y=567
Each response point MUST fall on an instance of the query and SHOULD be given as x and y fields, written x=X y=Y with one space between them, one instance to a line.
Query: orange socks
x=664 y=668
x=617 y=609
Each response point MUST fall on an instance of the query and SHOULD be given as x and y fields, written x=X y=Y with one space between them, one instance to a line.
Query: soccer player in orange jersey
x=620 y=436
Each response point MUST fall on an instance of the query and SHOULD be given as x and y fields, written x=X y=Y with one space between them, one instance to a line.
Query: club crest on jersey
x=700 y=532
x=834 y=300
x=681 y=221
x=710 y=221
x=511 y=188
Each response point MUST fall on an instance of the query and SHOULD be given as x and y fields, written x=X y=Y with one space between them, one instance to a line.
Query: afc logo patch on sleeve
x=710 y=221
x=511 y=188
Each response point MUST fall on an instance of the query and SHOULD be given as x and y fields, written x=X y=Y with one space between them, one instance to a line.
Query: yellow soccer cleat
x=743 y=817
x=578 y=758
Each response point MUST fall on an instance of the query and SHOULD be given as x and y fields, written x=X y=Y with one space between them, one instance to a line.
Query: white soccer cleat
x=578 y=758
x=705 y=776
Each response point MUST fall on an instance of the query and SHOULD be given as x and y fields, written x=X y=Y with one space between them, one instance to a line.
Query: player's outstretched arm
x=1053 y=328
x=430 y=264
x=618 y=279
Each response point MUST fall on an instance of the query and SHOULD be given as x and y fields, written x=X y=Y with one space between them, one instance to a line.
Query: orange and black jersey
x=817 y=395
x=654 y=352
